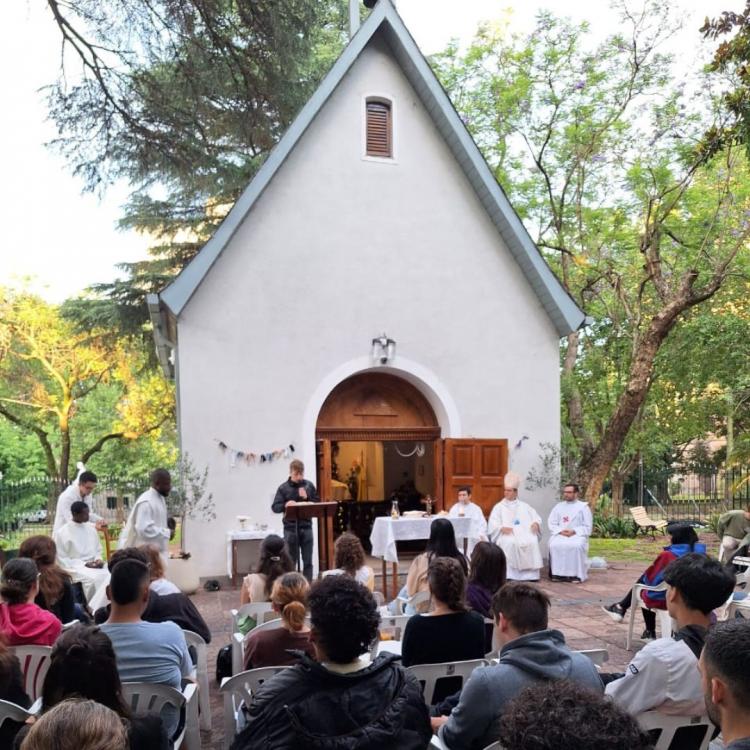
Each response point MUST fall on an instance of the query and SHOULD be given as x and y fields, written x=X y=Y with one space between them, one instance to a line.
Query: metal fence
x=27 y=507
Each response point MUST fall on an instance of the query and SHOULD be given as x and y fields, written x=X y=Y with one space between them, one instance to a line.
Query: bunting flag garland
x=251 y=458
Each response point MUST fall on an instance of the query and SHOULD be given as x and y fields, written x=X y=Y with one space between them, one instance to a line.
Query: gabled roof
x=563 y=311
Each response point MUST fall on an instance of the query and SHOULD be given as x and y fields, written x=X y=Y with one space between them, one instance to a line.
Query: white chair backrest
x=34 y=662
x=238 y=690
x=149 y=698
x=677 y=732
x=597 y=655
x=256 y=610
x=394 y=626
x=379 y=598
x=196 y=642
x=429 y=675
x=741 y=607
x=11 y=712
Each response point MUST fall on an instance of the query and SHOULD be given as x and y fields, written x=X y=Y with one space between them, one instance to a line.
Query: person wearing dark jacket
x=176 y=608
x=340 y=700
x=297 y=535
x=11 y=690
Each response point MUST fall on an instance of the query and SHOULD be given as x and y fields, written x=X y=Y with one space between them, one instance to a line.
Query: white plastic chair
x=416 y=601
x=238 y=690
x=379 y=598
x=430 y=674
x=666 y=624
x=149 y=698
x=597 y=655
x=742 y=607
x=200 y=674
x=683 y=732
x=396 y=624
x=256 y=610
x=13 y=712
x=34 y=661
x=238 y=642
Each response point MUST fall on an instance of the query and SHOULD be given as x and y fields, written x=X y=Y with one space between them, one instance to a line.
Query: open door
x=480 y=464
x=323 y=469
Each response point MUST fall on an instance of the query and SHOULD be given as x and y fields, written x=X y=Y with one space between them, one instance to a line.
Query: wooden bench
x=644 y=522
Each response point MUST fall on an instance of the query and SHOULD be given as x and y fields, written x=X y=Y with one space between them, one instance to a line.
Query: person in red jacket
x=684 y=540
x=21 y=621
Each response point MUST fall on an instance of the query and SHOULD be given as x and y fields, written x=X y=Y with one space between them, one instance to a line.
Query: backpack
x=223 y=663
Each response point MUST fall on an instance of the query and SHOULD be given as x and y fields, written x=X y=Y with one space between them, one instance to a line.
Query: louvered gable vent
x=379 y=136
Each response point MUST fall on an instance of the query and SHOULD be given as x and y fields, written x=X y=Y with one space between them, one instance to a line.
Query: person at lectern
x=298 y=535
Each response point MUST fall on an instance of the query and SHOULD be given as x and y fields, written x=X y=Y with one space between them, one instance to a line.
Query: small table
x=386 y=532
x=233 y=539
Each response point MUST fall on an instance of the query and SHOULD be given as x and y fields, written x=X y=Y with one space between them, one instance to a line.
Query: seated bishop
x=570 y=525
x=79 y=551
x=516 y=527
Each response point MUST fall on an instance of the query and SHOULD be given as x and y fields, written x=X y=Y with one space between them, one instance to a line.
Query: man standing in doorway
x=298 y=535
x=79 y=489
x=148 y=522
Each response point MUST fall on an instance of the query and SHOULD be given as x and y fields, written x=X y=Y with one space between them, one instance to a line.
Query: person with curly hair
x=340 y=699
x=282 y=646
x=530 y=653
x=274 y=562
x=449 y=632
x=565 y=716
x=22 y=621
x=349 y=559
x=55 y=585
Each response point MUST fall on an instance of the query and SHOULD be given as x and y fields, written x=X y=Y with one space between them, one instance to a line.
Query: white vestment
x=522 y=553
x=147 y=523
x=478 y=531
x=569 y=554
x=68 y=496
x=77 y=544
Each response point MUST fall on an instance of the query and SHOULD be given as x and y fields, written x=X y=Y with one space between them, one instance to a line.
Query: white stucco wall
x=338 y=250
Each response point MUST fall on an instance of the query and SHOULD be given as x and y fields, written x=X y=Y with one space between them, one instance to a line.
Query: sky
x=57 y=240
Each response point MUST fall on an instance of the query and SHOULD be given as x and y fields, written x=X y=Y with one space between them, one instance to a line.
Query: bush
x=613 y=527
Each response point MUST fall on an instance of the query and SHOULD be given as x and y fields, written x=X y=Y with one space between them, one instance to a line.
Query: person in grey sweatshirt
x=530 y=653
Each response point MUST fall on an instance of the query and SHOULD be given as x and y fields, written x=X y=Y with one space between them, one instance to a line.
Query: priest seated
x=79 y=551
x=570 y=525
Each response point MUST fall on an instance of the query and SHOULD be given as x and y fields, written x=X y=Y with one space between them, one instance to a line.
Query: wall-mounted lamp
x=383 y=348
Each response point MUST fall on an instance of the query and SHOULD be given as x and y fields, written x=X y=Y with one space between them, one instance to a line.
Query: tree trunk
x=618 y=490
x=64 y=452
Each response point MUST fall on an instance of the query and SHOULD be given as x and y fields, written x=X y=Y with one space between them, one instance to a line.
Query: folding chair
x=431 y=675
x=34 y=661
x=238 y=690
x=201 y=676
x=148 y=698
x=665 y=621
x=644 y=522
x=677 y=732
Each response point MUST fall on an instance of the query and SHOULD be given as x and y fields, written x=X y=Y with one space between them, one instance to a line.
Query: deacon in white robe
x=516 y=527
x=79 y=489
x=79 y=551
x=570 y=526
x=466 y=508
x=148 y=522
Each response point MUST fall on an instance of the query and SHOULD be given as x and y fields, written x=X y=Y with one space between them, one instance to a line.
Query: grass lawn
x=642 y=549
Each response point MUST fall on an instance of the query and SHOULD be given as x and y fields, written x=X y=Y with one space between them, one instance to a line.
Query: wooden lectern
x=325 y=513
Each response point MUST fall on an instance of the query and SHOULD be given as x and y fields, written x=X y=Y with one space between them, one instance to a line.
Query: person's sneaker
x=648 y=635
x=615 y=611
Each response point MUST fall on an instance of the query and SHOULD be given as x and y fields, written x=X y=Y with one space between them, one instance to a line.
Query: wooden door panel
x=479 y=463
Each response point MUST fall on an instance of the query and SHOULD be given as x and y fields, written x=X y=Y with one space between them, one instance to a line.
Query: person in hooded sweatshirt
x=21 y=621
x=340 y=699
x=530 y=653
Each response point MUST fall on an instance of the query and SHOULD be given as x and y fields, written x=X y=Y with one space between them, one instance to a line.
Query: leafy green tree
x=603 y=154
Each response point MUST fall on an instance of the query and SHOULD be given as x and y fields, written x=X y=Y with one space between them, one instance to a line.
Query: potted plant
x=188 y=500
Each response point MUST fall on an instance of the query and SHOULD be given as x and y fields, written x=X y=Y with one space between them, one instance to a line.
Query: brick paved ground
x=576 y=611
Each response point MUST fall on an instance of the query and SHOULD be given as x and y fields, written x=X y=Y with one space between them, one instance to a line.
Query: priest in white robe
x=79 y=489
x=148 y=522
x=516 y=527
x=79 y=551
x=466 y=508
x=570 y=526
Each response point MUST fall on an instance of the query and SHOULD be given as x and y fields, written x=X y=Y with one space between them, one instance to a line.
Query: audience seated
x=146 y=651
x=486 y=577
x=340 y=699
x=442 y=543
x=79 y=551
x=159 y=583
x=663 y=675
x=274 y=561
x=83 y=665
x=176 y=608
x=55 y=585
x=567 y=716
x=349 y=559
x=684 y=540
x=77 y=725
x=21 y=621
x=12 y=690
x=530 y=653
x=449 y=632
x=271 y=648
x=725 y=678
